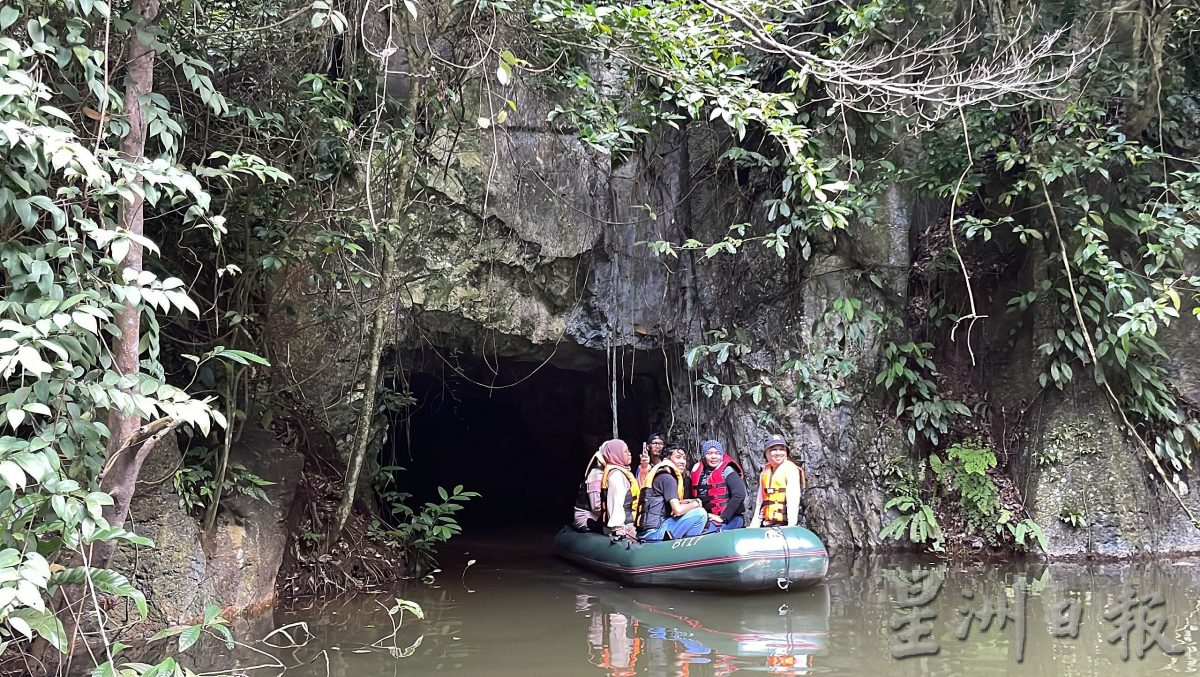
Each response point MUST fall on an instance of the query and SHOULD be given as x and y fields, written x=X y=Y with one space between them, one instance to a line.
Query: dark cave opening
x=518 y=432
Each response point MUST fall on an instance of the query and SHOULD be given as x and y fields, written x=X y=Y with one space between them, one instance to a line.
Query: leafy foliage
x=1024 y=533
x=916 y=523
x=61 y=187
x=1072 y=516
x=727 y=354
x=1110 y=219
x=840 y=338
x=964 y=474
x=906 y=373
x=419 y=533
x=681 y=61
x=194 y=482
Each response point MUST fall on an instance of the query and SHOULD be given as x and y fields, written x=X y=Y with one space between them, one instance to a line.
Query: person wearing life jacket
x=789 y=664
x=779 y=487
x=717 y=482
x=665 y=514
x=618 y=491
x=614 y=643
x=678 y=456
x=589 y=506
x=652 y=452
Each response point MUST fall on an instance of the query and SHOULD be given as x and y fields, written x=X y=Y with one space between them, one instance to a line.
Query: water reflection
x=520 y=612
x=1016 y=618
x=648 y=631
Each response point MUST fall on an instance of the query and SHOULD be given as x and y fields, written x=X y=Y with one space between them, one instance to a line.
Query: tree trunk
x=366 y=414
x=124 y=459
x=396 y=224
x=125 y=453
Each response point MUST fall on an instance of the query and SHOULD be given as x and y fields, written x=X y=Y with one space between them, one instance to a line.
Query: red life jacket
x=715 y=494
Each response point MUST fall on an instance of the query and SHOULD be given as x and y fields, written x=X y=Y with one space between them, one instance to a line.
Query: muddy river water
x=517 y=610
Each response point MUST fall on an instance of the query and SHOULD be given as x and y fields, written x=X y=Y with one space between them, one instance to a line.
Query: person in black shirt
x=664 y=511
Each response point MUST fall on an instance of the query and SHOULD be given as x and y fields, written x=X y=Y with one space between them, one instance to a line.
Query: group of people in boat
x=662 y=499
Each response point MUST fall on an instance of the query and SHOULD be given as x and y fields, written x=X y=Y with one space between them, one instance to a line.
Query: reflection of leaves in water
x=1037 y=585
x=464 y=574
x=407 y=651
x=403 y=605
x=902 y=578
x=293 y=642
x=393 y=649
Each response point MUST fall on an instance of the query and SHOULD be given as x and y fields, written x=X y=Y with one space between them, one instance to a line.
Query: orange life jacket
x=772 y=493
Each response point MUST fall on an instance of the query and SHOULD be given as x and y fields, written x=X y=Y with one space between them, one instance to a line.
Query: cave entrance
x=517 y=431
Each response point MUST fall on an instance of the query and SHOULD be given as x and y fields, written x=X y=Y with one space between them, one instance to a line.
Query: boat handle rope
x=784 y=581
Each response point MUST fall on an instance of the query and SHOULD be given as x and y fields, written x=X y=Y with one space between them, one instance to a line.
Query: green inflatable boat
x=738 y=559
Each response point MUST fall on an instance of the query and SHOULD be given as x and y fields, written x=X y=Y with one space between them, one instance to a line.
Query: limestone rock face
x=235 y=566
x=246 y=548
x=1083 y=462
x=174 y=573
x=533 y=246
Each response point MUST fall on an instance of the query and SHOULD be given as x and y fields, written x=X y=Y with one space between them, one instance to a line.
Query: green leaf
x=44 y=623
x=8 y=16
x=242 y=357
x=211 y=612
x=188 y=637
x=24 y=210
x=168 y=667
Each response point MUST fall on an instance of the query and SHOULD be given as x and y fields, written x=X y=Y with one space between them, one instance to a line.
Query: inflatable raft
x=738 y=559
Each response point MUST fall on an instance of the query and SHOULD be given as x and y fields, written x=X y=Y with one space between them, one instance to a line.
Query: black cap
x=655 y=438
x=775 y=441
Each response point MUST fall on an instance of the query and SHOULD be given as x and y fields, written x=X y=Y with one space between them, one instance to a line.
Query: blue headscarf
x=709 y=444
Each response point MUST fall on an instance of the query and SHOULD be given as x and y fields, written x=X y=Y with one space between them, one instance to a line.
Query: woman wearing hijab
x=618 y=490
x=717 y=482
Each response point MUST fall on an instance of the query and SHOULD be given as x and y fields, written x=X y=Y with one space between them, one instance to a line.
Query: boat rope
x=785 y=581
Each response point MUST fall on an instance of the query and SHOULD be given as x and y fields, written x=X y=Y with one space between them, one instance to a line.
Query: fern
x=916 y=522
x=965 y=473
